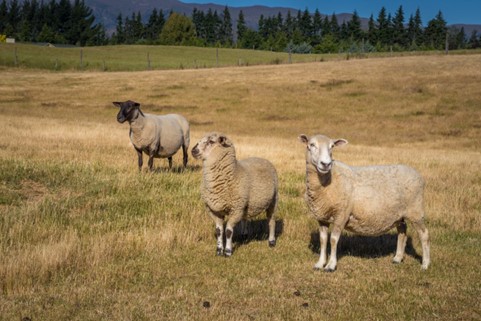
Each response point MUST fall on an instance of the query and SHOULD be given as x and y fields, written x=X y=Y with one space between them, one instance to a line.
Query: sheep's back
x=260 y=178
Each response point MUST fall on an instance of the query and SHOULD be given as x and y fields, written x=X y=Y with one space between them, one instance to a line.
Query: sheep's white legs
x=401 y=242
x=229 y=232
x=219 y=233
x=335 y=235
x=424 y=237
x=323 y=231
x=272 y=224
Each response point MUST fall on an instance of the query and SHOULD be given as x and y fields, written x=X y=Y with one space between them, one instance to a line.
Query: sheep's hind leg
x=170 y=162
x=186 y=155
x=272 y=224
x=424 y=238
x=323 y=231
x=401 y=242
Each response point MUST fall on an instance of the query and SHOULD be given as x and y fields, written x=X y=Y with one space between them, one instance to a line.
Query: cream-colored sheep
x=364 y=200
x=237 y=189
x=159 y=136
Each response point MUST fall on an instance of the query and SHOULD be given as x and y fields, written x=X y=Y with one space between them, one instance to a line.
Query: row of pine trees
x=67 y=22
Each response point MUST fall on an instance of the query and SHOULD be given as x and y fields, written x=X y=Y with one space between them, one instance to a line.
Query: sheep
x=239 y=189
x=159 y=136
x=366 y=200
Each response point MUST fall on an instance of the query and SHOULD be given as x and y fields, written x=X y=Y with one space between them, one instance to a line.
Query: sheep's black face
x=127 y=110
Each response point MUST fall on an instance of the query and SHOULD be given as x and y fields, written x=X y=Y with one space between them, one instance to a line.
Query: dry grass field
x=84 y=236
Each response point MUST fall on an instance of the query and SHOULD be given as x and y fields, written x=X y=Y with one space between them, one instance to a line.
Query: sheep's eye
x=312 y=146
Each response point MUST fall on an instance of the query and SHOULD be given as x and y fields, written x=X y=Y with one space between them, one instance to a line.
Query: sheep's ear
x=117 y=103
x=137 y=105
x=224 y=141
x=340 y=142
x=303 y=139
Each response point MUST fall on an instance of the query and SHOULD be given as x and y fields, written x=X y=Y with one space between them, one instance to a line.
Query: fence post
x=290 y=56
x=148 y=61
x=217 y=57
x=16 y=57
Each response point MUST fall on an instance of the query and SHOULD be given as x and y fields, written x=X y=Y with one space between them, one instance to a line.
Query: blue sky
x=454 y=11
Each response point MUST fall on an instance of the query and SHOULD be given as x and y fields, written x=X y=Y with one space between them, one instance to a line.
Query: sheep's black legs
x=186 y=155
x=170 y=162
x=140 y=160
x=151 y=162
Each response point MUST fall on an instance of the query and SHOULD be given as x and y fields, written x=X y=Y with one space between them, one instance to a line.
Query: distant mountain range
x=106 y=12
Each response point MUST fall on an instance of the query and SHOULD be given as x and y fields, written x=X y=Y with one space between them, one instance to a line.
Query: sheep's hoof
x=316 y=268
x=228 y=253
x=219 y=251
x=329 y=270
x=272 y=243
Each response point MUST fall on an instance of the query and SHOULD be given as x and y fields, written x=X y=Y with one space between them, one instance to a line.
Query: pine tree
x=335 y=29
x=399 y=34
x=226 y=36
x=119 y=37
x=371 y=30
x=354 y=31
x=435 y=32
x=241 y=26
x=383 y=28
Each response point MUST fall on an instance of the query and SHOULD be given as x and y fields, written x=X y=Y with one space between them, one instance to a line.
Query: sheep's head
x=212 y=143
x=319 y=151
x=129 y=110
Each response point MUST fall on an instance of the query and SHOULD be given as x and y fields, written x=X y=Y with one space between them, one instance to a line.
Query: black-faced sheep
x=237 y=189
x=159 y=136
x=364 y=200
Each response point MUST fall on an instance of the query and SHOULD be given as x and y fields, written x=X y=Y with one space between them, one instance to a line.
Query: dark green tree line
x=63 y=22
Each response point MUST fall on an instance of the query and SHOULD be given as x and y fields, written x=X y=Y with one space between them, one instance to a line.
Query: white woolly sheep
x=238 y=189
x=159 y=136
x=366 y=200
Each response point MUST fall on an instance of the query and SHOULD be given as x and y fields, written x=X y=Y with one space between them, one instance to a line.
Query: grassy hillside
x=137 y=58
x=84 y=236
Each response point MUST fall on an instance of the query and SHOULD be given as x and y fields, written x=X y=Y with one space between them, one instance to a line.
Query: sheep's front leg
x=219 y=229
x=140 y=160
x=323 y=231
x=335 y=235
x=229 y=232
x=170 y=162
x=151 y=160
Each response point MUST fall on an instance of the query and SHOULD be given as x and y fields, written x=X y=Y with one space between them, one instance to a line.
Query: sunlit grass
x=85 y=236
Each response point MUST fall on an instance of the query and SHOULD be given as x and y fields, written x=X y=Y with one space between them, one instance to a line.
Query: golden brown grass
x=84 y=236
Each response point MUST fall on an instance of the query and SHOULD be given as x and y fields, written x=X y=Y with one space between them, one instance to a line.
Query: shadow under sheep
x=255 y=230
x=364 y=246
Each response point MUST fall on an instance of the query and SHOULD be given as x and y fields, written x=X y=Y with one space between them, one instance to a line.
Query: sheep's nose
x=326 y=164
x=195 y=150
